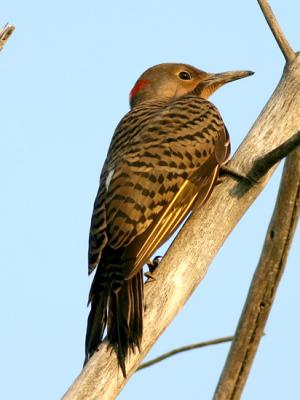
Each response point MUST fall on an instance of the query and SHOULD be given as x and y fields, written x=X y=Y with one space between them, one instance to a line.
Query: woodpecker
x=165 y=154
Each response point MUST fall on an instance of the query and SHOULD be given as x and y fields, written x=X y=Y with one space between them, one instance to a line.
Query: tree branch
x=5 y=34
x=183 y=349
x=264 y=284
x=281 y=40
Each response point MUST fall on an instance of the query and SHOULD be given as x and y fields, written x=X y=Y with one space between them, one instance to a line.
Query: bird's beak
x=225 y=77
x=212 y=82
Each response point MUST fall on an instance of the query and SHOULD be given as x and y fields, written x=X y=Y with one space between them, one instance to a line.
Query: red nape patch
x=141 y=84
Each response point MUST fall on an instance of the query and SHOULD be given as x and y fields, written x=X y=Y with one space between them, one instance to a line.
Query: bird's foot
x=152 y=265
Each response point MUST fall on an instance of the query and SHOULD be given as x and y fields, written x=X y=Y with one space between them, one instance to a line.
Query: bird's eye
x=185 y=76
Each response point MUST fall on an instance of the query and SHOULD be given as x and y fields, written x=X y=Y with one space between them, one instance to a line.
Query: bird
x=165 y=155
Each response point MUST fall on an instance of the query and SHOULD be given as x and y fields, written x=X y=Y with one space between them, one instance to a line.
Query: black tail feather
x=137 y=311
x=125 y=318
x=96 y=324
x=121 y=310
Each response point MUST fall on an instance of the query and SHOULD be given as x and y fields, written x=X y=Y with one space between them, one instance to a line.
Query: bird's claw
x=152 y=265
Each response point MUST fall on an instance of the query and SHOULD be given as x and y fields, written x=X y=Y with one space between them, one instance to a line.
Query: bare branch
x=264 y=284
x=281 y=40
x=5 y=34
x=183 y=349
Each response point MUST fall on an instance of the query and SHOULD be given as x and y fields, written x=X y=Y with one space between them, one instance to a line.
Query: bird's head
x=169 y=81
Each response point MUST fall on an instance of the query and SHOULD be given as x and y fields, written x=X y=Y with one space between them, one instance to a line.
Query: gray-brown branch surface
x=199 y=240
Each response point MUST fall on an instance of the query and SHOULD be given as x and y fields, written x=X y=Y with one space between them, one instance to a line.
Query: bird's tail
x=120 y=306
x=125 y=317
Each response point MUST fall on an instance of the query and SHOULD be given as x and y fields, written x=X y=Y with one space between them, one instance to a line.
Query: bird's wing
x=170 y=217
x=172 y=159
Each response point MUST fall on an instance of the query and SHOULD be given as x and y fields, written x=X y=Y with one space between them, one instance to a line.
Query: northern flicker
x=165 y=155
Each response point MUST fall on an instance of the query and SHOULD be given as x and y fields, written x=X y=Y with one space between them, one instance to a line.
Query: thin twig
x=264 y=284
x=281 y=40
x=183 y=349
x=5 y=34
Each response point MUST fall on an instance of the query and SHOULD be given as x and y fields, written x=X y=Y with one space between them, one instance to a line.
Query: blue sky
x=65 y=78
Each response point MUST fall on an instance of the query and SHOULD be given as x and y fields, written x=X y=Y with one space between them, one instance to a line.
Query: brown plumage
x=165 y=154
